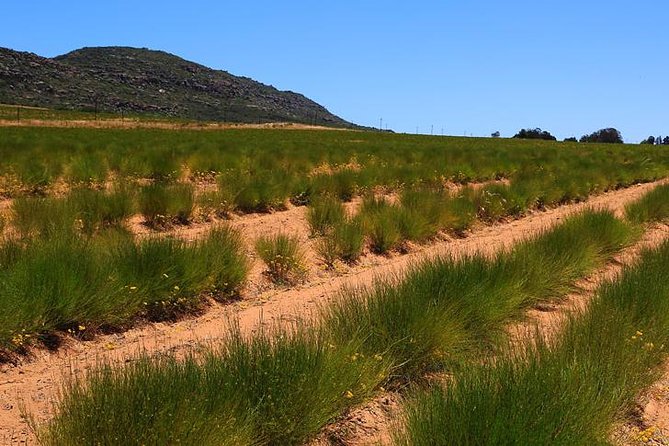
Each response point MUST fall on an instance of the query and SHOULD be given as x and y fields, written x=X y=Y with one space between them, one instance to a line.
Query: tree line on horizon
x=607 y=135
x=656 y=141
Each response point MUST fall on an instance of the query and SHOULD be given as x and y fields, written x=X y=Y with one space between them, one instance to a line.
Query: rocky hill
x=142 y=81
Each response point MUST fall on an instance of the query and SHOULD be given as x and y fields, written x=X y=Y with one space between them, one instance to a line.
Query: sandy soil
x=36 y=381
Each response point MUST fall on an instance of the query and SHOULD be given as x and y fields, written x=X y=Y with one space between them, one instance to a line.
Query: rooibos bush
x=324 y=213
x=653 y=207
x=349 y=237
x=283 y=257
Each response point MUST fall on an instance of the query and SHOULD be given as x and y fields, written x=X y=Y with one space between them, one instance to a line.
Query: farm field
x=281 y=282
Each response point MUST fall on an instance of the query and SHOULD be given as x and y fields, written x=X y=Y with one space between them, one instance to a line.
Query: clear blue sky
x=570 y=67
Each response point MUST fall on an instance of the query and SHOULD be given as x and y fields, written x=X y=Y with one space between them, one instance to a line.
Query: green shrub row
x=281 y=388
x=653 y=207
x=260 y=170
x=89 y=210
x=65 y=281
x=571 y=392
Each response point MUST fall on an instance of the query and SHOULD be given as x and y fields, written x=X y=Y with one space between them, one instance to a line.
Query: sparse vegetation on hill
x=141 y=81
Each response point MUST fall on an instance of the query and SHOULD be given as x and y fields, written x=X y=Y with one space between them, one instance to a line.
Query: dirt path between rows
x=373 y=423
x=35 y=383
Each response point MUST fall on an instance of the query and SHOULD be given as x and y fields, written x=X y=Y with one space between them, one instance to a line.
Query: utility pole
x=380 y=123
x=432 y=130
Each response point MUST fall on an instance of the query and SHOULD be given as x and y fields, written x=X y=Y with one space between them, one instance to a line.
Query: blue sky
x=467 y=67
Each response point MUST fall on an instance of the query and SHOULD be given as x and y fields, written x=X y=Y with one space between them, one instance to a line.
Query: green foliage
x=381 y=223
x=653 y=207
x=444 y=308
x=261 y=192
x=97 y=209
x=182 y=202
x=85 y=209
x=341 y=184
x=324 y=213
x=260 y=170
x=87 y=169
x=328 y=251
x=384 y=233
x=567 y=393
x=221 y=257
x=154 y=205
x=349 y=237
x=136 y=389
x=43 y=216
x=274 y=390
x=283 y=257
x=281 y=387
x=497 y=201
x=213 y=202
x=608 y=136
x=162 y=204
x=64 y=280
x=534 y=134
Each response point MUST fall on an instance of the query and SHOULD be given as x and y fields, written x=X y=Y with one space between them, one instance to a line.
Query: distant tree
x=534 y=134
x=665 y=141
x=650 y=140
x=609 y=135
x=571 y=139
x=495 y=134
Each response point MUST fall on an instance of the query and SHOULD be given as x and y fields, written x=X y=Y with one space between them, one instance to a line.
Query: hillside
x=142 y=81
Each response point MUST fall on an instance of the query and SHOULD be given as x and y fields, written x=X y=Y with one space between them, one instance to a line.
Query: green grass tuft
x=283 y=257
x=568 y=393
x=324 y=213
x=653 y=207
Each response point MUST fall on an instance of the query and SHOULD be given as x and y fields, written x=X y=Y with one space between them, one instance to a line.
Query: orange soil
x=36 y=382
